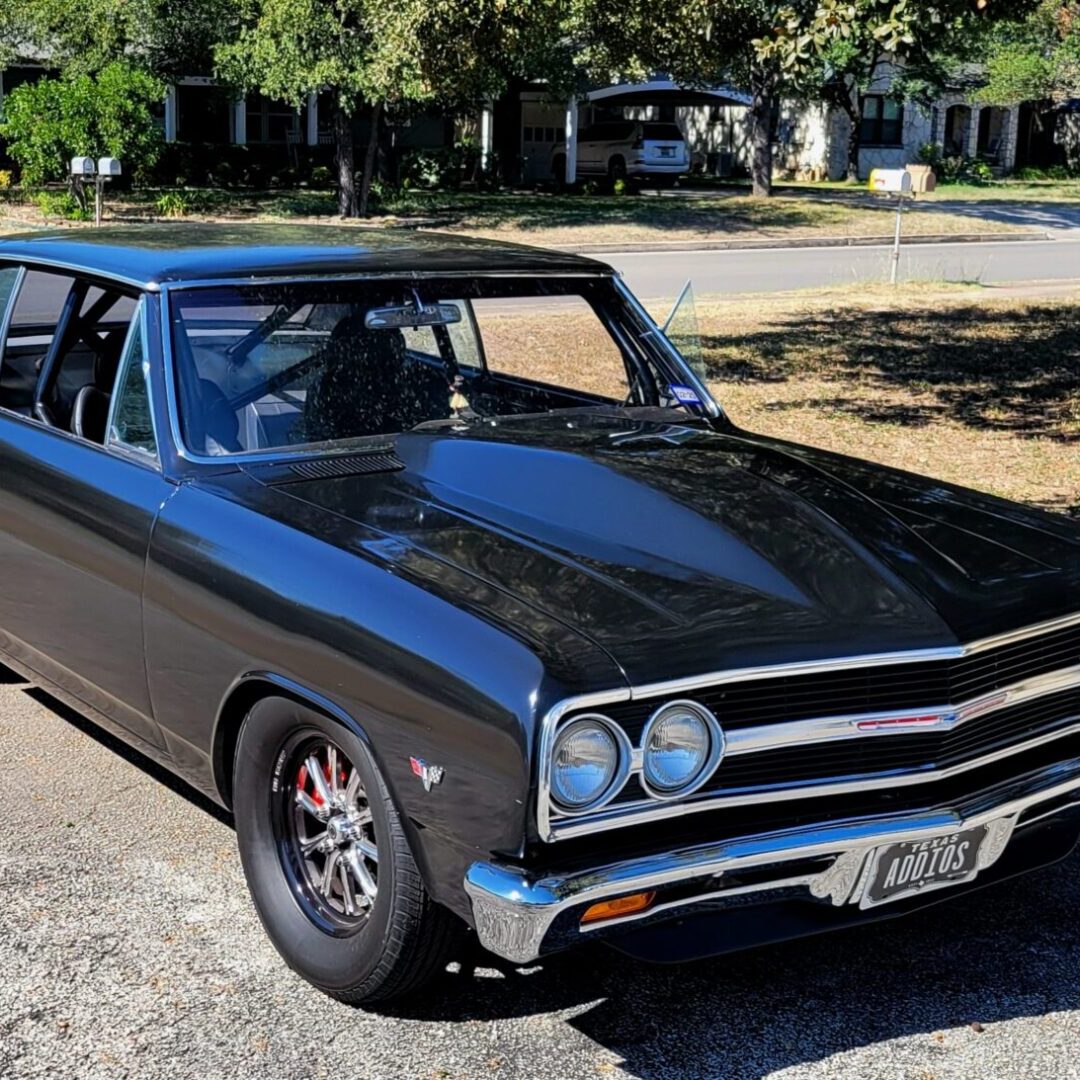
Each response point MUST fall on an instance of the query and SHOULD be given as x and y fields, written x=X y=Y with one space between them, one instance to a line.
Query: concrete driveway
x=130 y=949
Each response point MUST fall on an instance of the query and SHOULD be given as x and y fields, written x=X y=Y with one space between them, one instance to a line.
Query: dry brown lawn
x=960 y=387
x=947 y=382
x=554 y=220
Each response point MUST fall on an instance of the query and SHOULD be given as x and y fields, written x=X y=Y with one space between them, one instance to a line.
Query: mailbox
x=82 y=166
x=922 y=179
x=108 y=166
x=897 y=181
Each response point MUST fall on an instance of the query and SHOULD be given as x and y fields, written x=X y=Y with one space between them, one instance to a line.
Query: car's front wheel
x=327 y=861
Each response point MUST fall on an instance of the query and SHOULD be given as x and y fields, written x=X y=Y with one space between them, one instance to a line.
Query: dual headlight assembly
x=592 y=757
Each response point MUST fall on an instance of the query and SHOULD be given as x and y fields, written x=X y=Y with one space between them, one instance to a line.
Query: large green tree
x=111 y=58
x=162 y=37
x=389 y=56
x=696 y=42
x=288 y=49
x=47 y=122
x=772 y=49
x=1036 y=58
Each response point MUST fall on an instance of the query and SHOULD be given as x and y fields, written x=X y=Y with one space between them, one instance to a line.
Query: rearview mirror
x=411 y=315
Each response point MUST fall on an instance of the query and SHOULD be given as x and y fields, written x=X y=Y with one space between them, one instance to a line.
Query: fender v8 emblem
x=429 y=774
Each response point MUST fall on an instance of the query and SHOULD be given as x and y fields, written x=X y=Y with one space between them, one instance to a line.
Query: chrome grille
x=886 y=755
x=874 y=726
x=871 y=690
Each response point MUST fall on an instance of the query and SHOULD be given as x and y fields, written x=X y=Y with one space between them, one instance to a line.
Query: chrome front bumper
x=514 y=912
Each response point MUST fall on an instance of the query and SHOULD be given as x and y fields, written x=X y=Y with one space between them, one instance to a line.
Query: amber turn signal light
x=624 y=905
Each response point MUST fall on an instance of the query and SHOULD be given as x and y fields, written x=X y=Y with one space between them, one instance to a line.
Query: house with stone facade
x=811 y=141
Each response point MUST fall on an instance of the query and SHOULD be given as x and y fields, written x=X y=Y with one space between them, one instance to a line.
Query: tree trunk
x=344 y=158
x=370 y=158
x=762 y=87
x=854 y=139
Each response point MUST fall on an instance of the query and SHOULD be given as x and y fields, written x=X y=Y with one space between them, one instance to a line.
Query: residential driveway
x=130 y=949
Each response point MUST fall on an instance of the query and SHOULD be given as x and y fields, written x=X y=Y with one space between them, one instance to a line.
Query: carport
x=656 y=92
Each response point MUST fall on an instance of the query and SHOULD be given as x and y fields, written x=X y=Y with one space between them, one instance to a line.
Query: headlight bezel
x=717 y=746
x=624 y=758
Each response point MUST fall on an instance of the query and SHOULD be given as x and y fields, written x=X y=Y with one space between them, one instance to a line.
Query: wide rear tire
x=327 y=861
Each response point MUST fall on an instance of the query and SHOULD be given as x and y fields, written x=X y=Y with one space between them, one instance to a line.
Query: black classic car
x=436 y=563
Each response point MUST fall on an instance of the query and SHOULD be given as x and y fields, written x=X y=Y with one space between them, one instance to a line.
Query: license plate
x=667 y=151
x=917 y=866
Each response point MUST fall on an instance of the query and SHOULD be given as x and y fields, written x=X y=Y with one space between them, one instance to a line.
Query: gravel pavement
x=130 y=949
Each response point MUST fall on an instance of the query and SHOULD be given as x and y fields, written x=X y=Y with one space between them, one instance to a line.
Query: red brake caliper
x=302 y=778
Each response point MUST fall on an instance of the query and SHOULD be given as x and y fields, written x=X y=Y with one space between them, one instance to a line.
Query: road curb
x=803 y=242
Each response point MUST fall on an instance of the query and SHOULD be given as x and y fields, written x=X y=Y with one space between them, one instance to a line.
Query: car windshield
x=262 y=367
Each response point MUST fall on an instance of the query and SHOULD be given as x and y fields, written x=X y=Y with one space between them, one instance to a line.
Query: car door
x=76 y=510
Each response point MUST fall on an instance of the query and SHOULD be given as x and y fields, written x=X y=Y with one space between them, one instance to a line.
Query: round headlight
x=681 y=746
x=586 y=761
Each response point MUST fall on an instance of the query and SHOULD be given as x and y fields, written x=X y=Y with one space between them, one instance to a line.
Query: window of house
x=882 y=121
x=203 y=113
x=270 y=121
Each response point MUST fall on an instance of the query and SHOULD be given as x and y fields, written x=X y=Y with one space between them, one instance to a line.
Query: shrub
x=321 y=177
x=5 y=179
x=46 y=123
x=445 y=167
x=954 y=169
x=173 y=204
x=61 y=204
x=1053 y=172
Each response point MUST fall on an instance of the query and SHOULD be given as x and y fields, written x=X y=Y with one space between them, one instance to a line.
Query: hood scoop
x=349 y=465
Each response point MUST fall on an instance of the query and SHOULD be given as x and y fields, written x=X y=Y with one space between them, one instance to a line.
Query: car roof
x=150 y=255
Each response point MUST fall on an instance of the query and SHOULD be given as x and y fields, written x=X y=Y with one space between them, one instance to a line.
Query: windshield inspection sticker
x=684 y=394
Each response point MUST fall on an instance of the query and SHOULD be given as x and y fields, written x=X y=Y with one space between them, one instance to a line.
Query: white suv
x=618 y=149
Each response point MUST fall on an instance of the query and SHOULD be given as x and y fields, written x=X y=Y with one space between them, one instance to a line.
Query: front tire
x=327 y=861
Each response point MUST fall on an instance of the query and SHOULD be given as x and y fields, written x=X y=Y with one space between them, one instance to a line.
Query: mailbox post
x=107 y=168
x=85 y=169
x=893 y=182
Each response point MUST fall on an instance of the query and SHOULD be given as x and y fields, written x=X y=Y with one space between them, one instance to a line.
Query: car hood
x=680 y=549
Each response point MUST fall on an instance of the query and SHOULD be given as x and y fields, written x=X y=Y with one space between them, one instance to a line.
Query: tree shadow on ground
x=723 y=215
x=719 y=214
x=1015 y=371
x=1005 y=953
x=1049 y=213
x=160 y=773
x=997 y=955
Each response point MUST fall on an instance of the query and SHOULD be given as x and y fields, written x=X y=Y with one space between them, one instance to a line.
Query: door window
x=557 y=340
x=9 y=276
x=33 y=322
x=131 y=424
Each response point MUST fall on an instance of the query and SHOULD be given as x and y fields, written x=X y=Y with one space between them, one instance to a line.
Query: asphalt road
x=130 y=949
x=660 y=275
